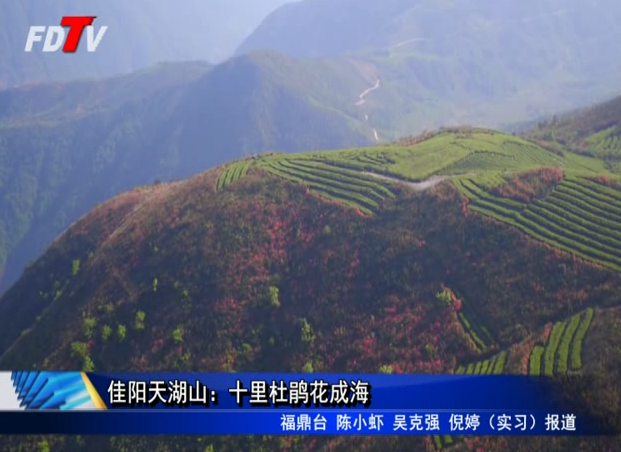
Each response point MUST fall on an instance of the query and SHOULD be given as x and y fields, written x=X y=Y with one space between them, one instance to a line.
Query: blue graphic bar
x=293 y=404
x=270 y=422
x=221 y=391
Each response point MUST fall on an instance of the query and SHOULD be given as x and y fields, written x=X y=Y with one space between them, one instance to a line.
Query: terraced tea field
x=491 y=366
x=447 y=153
x=333 y=182
x=606 y=142
x=471 y=324
x=580 y=216
x=509 y=155
x=233 y=172
x=479 y=334
x=563 y=351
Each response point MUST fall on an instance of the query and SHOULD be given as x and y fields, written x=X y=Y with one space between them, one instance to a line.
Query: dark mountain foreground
x=466 y=251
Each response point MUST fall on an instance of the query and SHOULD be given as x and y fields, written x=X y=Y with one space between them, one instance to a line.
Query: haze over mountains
x=447 y=62
x=376 y=71
x=141 y=33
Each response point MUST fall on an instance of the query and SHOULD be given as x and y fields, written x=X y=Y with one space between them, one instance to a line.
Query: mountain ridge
x=305 y=262
x=99 y=138
x=459 y=63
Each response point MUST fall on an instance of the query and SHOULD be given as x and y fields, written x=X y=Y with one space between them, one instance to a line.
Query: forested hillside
x=593 y=131
x=372 y=259
x=66 y=147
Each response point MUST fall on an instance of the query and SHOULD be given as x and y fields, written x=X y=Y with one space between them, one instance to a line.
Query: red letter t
x=76 y=24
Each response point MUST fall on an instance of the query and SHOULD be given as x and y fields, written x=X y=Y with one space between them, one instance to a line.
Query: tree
x=121 y=332
x=139 y=321
x=88 y=326
x=307 y=335
x=177 y=335
x=75 y=267
x=106 y=332
x=274 y=300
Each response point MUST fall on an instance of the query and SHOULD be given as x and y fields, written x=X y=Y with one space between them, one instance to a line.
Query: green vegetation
x=494 y=365
x=106 y=332
x=576 y=217
x=491 y=366
x=139 y=321
x=479 y=334
x=81 y=353
x=564 y=343
x=129 y=120
x=576 y=345
x=469 y=320
x=535 y=360
x=446 y=152
x=564 y=346
x=549 y=355
x=260 y=276
x=75 y=267
x=121 y=332
x=306 y=332
x=233 y=172
x=593 y=132
x=333 y=182
x=177 y=335
x=444 y=297
x=274 y=299
x=88 y=327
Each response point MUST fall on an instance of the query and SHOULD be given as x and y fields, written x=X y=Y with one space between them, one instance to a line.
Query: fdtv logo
x=55 y=35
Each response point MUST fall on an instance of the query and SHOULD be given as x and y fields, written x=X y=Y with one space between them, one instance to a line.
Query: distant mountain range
x=489 y=62
x=141 y=33
x=372 y=75
x=66 y=147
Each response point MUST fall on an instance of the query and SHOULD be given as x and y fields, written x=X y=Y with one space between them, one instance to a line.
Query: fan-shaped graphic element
x=52 y=390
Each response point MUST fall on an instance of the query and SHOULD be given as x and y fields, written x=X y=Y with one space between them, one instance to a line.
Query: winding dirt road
x=366 y=92
x=418 y=186
x=362 y=100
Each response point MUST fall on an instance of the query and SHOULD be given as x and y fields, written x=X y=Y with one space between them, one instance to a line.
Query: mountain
x=446 y=63
x=140 y=34
x=65 y=147
x=593 y=131
x=464 y=250
x=316 y=28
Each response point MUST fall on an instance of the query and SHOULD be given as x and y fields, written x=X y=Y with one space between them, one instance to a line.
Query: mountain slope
x=318 y=28
x=444 y=63
x=66 y=147
x=593 y=131
x=140 y=34
x=272 y=264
